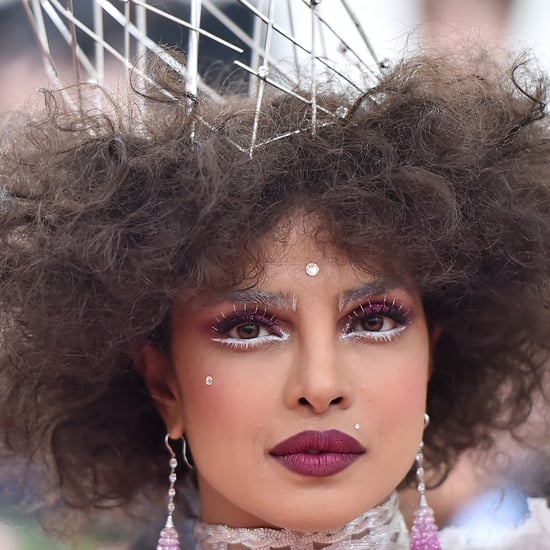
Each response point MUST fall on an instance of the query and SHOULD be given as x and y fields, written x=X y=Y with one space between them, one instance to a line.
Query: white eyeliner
x=239 y=343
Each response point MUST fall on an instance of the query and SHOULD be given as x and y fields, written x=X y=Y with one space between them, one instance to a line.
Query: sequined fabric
x=382 y=528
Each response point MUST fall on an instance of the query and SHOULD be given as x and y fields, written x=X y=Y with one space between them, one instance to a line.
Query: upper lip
x=331 y=441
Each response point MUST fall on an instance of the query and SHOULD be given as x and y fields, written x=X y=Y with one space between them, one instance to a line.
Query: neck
x=381 y=528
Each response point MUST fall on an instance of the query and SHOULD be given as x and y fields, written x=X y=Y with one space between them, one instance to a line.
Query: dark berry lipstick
x=318 y=454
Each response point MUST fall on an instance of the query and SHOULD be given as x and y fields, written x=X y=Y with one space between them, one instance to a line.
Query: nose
x=320 y=379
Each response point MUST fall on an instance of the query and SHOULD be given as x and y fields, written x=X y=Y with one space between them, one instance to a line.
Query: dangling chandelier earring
x=184 y=453
x=169 y=538
x=424 y=529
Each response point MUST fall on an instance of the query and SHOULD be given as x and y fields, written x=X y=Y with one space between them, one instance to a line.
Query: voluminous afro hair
x=440 y=171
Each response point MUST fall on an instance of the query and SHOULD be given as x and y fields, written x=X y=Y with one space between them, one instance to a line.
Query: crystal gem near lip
x=312 y=269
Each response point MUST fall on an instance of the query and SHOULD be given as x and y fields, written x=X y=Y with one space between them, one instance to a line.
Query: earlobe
x=156 y=369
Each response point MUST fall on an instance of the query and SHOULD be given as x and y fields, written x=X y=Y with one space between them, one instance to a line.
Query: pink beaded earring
x=424 y=530
x=169 y=538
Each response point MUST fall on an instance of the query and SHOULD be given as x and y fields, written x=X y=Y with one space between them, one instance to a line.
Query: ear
x=156 y=369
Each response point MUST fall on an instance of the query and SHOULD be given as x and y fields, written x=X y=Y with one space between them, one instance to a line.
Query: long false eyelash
x=222 y=316
x=225 y=323
x=397 y=312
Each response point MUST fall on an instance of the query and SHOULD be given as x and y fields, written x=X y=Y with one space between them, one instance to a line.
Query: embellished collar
x=381 y=528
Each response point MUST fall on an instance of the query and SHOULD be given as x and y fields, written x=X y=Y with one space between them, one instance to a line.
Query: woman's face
x=302 y=399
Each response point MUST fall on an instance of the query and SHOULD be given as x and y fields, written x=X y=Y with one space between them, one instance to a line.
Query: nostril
x=336 y=401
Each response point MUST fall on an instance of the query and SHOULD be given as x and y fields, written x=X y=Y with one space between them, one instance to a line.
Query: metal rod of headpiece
x=254 y=42
x=99 y=50
x=281 y=87
x=74 y=43
x=257 y=49
x=293 y=32
x=313 y=7
x=360 y=30
x=65 y=33
x=193 y=48
x=141 y=50
x=295 y=42
x=141 y=24
x=188 y=25
x=152 y=46
x=193 y=57
x=127 y=52
x=263 y=72
x=37 y=22
x=344 y=44
x=110 y=49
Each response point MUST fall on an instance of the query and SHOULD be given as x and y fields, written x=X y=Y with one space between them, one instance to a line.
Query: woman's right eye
x=248 y=331
x=241 y=328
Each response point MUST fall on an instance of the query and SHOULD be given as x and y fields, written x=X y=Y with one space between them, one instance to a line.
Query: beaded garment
x=381 y=528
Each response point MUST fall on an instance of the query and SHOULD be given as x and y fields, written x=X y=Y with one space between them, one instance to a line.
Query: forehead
x=304 y=238
x=300 y=234
x=280 y=272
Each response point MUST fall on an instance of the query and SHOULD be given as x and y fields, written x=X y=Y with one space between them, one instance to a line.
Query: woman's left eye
x=377 y=321
x=373 y=323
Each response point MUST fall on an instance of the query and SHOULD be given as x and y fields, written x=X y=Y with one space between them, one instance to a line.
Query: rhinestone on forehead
x=312 y=269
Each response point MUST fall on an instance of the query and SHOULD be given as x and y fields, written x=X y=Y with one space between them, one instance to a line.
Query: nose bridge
x=319 y=378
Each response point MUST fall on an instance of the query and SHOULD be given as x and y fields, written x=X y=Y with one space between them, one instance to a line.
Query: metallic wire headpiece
x=279 y=52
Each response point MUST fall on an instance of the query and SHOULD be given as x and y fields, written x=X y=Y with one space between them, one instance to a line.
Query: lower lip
x=321 y=465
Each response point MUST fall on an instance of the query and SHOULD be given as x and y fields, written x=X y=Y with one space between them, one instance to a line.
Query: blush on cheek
x=407 y=403
x=214 y=403
x=206 y=402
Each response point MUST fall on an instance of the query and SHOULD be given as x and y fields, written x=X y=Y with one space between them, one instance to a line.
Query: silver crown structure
x=288 y=45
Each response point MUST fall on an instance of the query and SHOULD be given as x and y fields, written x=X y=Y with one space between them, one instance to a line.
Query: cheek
x=209 y=407
x=396 y=392
x=407 y=398
x=235 y=403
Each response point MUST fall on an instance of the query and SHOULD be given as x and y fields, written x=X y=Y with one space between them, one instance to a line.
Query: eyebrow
x=368 y=290
x=279 y=300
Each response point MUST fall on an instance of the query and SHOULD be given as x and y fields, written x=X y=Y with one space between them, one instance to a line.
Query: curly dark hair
x=441 y=170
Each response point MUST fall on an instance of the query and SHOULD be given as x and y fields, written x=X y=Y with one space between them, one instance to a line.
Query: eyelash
x=259 y=317
x=256 y=316
x=385 y=309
